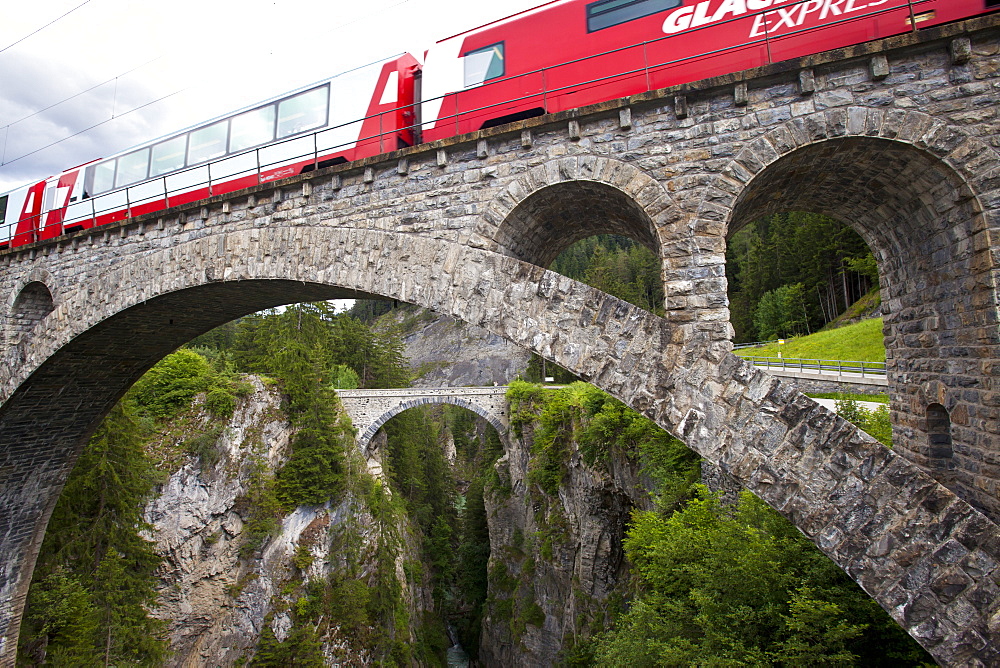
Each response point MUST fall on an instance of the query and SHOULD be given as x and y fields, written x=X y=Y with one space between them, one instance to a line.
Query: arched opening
x=33 y=303
x=67 y=374
x=926 y=232
x=794 y=274
x=494 y=419
x=549 y=221
x=939 y=443
x=592 y=232
x=87 y=378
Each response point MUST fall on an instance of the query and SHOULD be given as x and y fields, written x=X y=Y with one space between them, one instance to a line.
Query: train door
x=26 y=229
x=58 y=195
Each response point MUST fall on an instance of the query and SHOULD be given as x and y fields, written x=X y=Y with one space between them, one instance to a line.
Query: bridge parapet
x=370 y=409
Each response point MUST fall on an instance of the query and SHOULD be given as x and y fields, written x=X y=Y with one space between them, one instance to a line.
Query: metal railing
x=755 y=344
x=128 y=199
x=803 y=365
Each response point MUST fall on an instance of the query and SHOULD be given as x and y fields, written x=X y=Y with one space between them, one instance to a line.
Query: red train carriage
x=558 y=56
x=567 y=54
x=327 y=123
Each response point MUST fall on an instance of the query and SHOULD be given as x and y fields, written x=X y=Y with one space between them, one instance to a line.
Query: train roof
x=228 y=114
x=520 y=14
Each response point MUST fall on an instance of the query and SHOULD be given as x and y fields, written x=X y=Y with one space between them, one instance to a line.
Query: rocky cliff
x=445 y=352
x=557 y=570
x=220 y=591
x=230 y=591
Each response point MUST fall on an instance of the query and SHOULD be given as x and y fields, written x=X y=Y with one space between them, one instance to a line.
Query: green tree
x=781 y=312
x=876 y=423
x=94 y=563
x=172 y=383
x=343 y=377
x=831 y=262
x=738 y=585
x=60 y=622
x=616 y=265
x=811 y=639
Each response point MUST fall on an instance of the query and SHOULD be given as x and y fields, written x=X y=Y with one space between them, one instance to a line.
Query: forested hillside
x=94 y=580
x=794 y=273
x=617 y=265
x=710 y=584
x=788 y=274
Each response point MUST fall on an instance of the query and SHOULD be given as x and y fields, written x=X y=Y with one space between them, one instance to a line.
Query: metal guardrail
x=740 y=346
x=840 y=367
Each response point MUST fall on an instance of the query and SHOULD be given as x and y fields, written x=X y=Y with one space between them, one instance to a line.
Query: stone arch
x=29 y=303
x=365 y=437
x=883 y=521
x=913 y=188
x=561 y=201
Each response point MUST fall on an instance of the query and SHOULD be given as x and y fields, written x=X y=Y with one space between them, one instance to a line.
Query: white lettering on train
x=789 y=18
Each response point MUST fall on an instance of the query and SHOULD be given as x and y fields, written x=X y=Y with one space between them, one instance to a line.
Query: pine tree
x=96 y=559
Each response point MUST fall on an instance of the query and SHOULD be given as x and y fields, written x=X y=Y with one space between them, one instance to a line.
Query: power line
x=113 y=117
x=95 y=125
x=38 y=30
x=82 y=92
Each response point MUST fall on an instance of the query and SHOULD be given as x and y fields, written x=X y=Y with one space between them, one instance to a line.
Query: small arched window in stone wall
x=939 y=436
x=32 y=304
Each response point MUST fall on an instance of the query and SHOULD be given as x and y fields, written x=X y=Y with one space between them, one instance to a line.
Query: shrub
x=204 y=446
x=172 y=383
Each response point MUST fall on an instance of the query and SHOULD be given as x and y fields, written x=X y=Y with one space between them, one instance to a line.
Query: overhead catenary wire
x=82 y=92
x=95 y=125
x=38 y=30
x=234 y=57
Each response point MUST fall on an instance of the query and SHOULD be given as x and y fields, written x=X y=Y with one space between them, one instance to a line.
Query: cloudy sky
x=100 y=76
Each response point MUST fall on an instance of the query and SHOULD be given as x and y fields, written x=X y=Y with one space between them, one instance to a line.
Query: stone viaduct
x=370 y=409
x=898 y=138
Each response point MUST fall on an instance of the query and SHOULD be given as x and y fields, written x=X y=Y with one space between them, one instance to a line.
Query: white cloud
x=222 y=55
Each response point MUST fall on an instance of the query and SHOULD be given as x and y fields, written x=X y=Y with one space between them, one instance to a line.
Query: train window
x=168 y=156
x=207 y=143
x=483 y=64
x=252 y=129
x=606 y=13
x=104 y=176
x=3 y=209
x=50 y=195
x=305 y=111
x=132 y=168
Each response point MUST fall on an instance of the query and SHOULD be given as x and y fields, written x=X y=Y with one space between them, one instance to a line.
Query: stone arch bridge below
x=370 y=409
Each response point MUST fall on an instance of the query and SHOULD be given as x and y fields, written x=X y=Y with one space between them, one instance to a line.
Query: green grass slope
x=858 y=341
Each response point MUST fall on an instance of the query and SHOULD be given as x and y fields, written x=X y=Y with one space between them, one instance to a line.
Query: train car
x=558 y=56
x=570 y=53
x=360 y=113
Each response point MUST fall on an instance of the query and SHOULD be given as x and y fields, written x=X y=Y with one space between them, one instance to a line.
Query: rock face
x=556 y=563
x=218 y=600
x=445 y=352
x=214 y=607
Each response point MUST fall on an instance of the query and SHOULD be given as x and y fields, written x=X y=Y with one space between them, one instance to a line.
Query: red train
x=558 y=56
